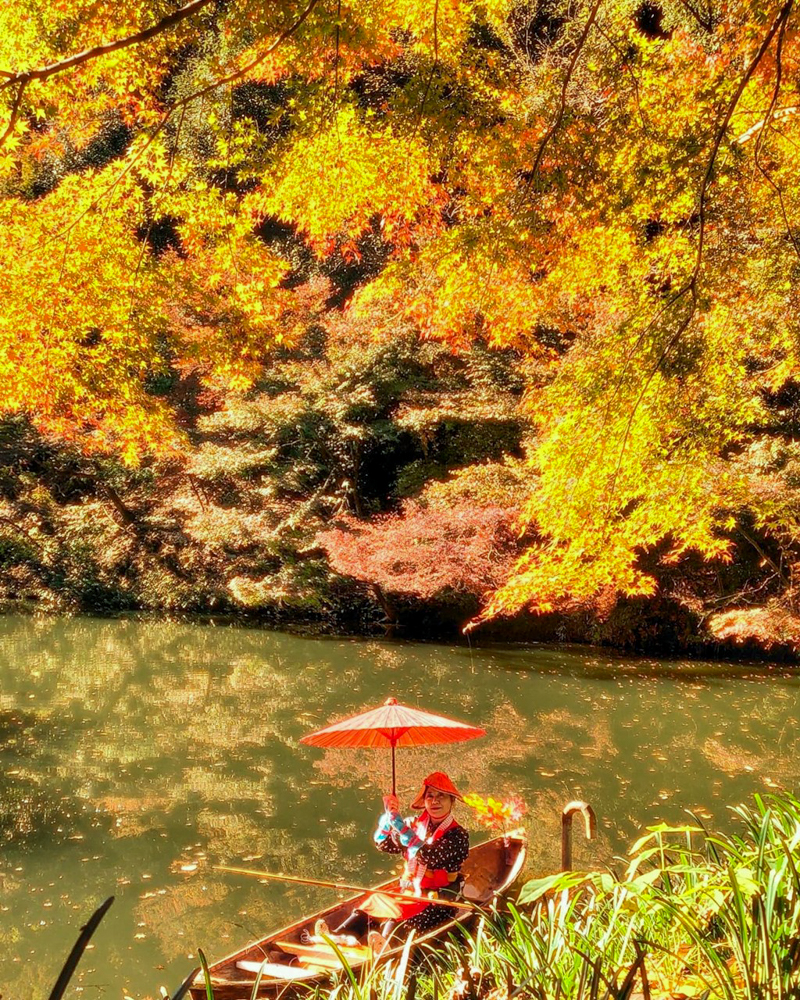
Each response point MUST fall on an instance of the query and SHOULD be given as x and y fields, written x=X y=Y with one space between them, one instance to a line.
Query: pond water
x=134 y=755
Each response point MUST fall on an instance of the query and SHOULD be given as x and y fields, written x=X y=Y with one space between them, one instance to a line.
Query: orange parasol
x=393 y=725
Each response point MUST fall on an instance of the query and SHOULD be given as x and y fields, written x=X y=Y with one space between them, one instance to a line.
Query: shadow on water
x=596 y=664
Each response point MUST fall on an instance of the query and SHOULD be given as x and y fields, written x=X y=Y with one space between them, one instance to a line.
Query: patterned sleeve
x=449 y=853
x=394 y=834
x=389 y=846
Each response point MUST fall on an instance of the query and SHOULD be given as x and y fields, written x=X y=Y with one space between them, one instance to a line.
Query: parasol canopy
x=393 y=725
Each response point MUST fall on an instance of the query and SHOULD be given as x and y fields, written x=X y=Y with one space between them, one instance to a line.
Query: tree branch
x=783 y=15
x=690 y=287
x=776 y=116
x=18 y=528
x=126 y=516
x=244 y=70
x=101 y=50
x=434 y=67
x=625 y=63
x=385 y=604
x=179 y=105
x=771 y=113
x=562 y=107
x=706 y=23
x=15 y=106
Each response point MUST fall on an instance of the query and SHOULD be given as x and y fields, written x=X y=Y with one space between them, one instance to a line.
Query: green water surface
x=134 y=755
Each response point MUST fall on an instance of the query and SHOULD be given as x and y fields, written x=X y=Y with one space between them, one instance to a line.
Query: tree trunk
x=392 y=620
x=126 y=515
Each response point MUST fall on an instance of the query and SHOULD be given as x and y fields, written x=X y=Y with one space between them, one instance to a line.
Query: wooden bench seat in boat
x=274 y=970
x=324 y=953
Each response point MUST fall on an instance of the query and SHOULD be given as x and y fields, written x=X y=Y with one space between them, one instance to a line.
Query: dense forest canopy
x=608 y=192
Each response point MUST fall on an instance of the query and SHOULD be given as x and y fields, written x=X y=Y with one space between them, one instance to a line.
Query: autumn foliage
x=496 y=813
x=612 y=195
x=423 y=552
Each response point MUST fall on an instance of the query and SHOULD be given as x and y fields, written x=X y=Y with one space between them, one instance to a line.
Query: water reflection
x=136 y=754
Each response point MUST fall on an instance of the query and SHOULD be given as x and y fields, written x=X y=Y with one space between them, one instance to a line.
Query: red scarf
x=416 y=869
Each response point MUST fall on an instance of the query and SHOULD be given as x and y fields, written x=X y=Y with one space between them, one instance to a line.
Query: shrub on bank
x=690 y=914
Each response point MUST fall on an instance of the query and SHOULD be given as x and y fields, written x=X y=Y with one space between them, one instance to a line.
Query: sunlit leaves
x=342 y=175
x=495 y=813
x=425 y=552
x=460 y=285
x=555 y=181
x=67 y=336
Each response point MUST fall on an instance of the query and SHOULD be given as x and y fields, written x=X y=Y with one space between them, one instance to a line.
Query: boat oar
x=438 y=900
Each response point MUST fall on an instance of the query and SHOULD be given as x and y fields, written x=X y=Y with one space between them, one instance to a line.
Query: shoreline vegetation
x=740 y=658
x=351 y=491
x=408 y=320
x=687 y=914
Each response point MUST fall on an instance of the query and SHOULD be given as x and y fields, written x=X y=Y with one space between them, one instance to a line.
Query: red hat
x=439 y=781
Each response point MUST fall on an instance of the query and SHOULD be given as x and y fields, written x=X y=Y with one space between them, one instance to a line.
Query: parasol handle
x=394 y=771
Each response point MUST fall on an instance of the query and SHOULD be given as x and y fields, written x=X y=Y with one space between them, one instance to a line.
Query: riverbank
x=339 y=496
x=649 y=637
x=549 y=636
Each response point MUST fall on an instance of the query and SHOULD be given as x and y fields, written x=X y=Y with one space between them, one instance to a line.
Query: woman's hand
x=391 y=803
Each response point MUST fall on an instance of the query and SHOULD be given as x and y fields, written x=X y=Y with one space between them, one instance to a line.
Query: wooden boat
x=289 y=963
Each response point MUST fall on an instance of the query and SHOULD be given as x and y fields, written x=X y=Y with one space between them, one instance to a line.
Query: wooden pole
x=274 y=877
x=590 y=826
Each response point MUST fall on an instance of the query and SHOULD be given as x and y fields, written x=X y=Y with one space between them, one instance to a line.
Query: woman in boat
x=434 y=846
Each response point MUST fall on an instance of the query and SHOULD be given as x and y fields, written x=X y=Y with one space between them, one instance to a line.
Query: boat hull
x=490 y=869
